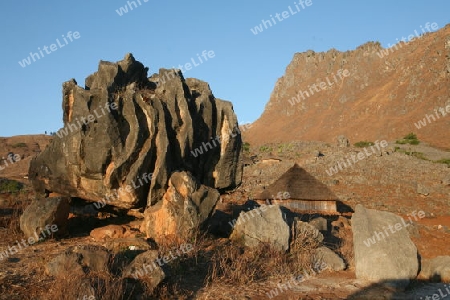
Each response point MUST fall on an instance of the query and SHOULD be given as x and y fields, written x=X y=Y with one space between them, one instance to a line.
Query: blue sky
x=164 y=34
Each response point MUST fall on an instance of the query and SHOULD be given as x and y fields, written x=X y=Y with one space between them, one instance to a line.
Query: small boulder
x=307 y=232
x=436 y=269
x=44 y=212
x=65 y=265
x=108 y=232
x=340 y=223
x=342 y=141
x=265 y=224
x=79 y=260
x=185 y=206
x=383 y=249
x=422 y=190
x=446 y=180
x=146 y=267
x=319 y=223
x=328 y=258
x=317 y=153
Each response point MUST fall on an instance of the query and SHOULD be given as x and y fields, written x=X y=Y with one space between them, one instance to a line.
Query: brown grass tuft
x=101 y=286
x=234 y=264
x=346 y=247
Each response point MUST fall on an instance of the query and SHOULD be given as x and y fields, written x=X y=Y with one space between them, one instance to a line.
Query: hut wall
x=305 y=205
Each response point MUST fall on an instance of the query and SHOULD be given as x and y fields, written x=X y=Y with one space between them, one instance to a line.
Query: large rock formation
x=125 y=134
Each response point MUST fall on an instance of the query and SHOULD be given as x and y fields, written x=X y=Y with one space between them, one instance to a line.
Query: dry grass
x=212 y=261
x=346 y=247
x=187 y=272
x=170 y=291
x=101 y=286
x=235 y=264
x=10 y=215
x=303 y=245
x=110 y=287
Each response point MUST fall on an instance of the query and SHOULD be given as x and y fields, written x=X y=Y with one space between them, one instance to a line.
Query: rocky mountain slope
x=16 y=153
x=366 y=94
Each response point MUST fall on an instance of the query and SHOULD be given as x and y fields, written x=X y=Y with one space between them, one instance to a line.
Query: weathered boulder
x=383 y=248
x=319 y=223
x=125 y=134
x=185 y=206
x=146 y=267
x=422 y=190
x=342 y=141
x=328 y=258
x=108 y=232
x=266 y=224
x=307 y=233
x=79 y=260
x=43 y=213
x=341 y=223
x=436 y=269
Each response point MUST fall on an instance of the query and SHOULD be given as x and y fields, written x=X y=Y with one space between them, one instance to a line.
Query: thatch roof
x=300 y=185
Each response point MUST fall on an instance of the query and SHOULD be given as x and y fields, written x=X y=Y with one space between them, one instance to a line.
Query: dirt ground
x=386 y=182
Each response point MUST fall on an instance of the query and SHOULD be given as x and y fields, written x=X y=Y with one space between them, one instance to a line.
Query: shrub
x=444 y=161
x=232 y=263
x=19 y=145
x=10 y=186
x=284 y=147
x=410 y=138
x=418 y=155
x=411 y=153
x=265 y=149
x=363 y=144
x=246 y=147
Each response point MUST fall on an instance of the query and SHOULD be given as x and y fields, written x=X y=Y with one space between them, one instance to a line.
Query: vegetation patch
x=410 y=139
x=10 y=186
x=411 y=153
x=284 y=147
x=19 y=145
x=444 y=161
x=265 y=149
x=246 y=147
x=363 y=144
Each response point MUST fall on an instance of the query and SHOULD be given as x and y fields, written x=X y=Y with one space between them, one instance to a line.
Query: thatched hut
x=305 y=193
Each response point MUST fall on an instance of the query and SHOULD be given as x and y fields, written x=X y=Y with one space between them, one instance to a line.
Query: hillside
x=23 y=147
x=378 y=94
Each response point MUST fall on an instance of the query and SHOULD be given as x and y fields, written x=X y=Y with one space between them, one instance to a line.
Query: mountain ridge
x=382 y=98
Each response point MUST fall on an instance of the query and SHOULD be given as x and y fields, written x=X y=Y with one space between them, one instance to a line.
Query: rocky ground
x=389 y=181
